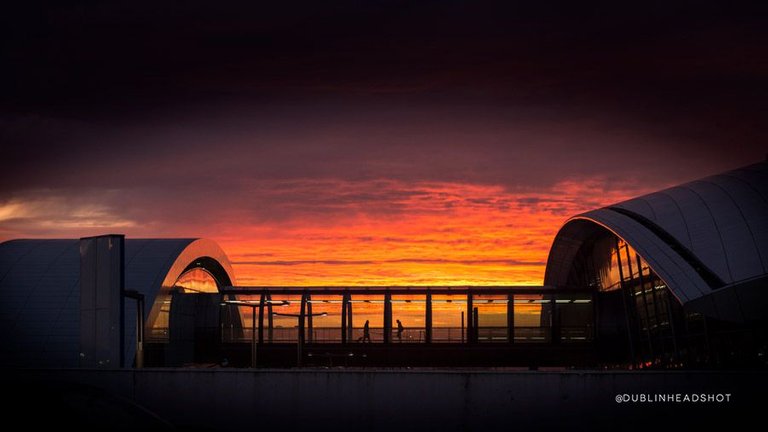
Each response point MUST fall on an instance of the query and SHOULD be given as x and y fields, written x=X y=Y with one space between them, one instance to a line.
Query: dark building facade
x=681 y=273
x=40 y=293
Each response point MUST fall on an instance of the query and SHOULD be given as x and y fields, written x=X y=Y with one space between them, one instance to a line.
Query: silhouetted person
x=400 y=330
x=367 y=331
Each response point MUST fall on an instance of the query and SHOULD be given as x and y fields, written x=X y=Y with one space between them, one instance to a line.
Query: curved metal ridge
x=711 y=279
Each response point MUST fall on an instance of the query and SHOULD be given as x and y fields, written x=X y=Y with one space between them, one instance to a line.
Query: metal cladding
x=699 y=237
x=40 y=292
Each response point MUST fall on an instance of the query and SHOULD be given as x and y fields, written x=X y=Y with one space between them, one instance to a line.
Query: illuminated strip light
x=583 y=301
x=489 y=300
x=240 y=303
x=367 y=301
x=254 y=302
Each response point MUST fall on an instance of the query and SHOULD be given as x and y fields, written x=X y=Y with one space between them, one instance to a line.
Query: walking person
x=400 y=330
x=367 y=331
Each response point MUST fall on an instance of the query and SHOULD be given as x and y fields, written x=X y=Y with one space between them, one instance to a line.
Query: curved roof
x=698 y=236
x=40 y=291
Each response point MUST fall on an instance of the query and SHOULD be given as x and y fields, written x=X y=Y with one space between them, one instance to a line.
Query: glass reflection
x=449 y=318
x=532 y=320
x=491 y=317
x=196 y=280
x=611 y=266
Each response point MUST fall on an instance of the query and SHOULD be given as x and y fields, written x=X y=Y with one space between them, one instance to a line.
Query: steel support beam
x=262 y=299
x=387 y=317
x=470 y=319
x=510 y=318
x=428 y=319
x=344 y=305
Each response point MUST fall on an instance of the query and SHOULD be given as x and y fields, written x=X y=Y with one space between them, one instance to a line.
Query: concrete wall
x=227 y=399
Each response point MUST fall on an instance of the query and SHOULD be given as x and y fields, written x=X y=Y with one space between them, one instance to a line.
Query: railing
x=448 y=334
x=417 y=335
x=576 y=334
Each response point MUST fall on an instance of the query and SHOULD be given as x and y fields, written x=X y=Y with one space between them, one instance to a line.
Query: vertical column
x=470 y=319
x=627 y=306
x=428 y=319
x=102 y=281
x=387 y=317
x=672 y=320
x=642 y=295
x=140 y=331
x=300 y=338
x=510 y=318
x=253 y=336
x=270 y=319
x=350 y=324
x=595 y=297
x=262 y=300
x=554 y=328
x=310 y=327
x=660 y=348
x=344 y=303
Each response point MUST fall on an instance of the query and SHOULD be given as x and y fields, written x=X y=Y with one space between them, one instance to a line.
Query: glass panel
x=408 y=318
x=229 y=321
x=532 y=318
x=449 y=318
x=326 y=320
x=607 y=269
x=652 y=309
x=195 y=280
x=576 y=318
x=492 y=317
x=367 y=308
x=285 y=318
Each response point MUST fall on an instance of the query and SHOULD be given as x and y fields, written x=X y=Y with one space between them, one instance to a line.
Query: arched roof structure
x=40 y=292
x=699 y=237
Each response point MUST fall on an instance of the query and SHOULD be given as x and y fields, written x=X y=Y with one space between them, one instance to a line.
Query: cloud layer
x=366 y=142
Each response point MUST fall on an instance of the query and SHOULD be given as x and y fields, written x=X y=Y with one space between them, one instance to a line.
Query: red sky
x=389 y=232
x=366 y=142
x=437 y=233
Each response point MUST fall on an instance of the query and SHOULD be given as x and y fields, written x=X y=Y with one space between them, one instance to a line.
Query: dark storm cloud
x=182 y=97
x=128 y=56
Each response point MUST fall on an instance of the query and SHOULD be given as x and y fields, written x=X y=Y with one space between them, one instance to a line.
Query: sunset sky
x=367 y=142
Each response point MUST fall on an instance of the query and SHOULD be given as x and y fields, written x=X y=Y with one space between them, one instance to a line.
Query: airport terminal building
x=684 y=267
x=673 y=279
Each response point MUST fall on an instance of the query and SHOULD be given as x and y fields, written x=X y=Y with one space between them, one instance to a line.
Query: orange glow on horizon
x=438 y=234
x=341 y=232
